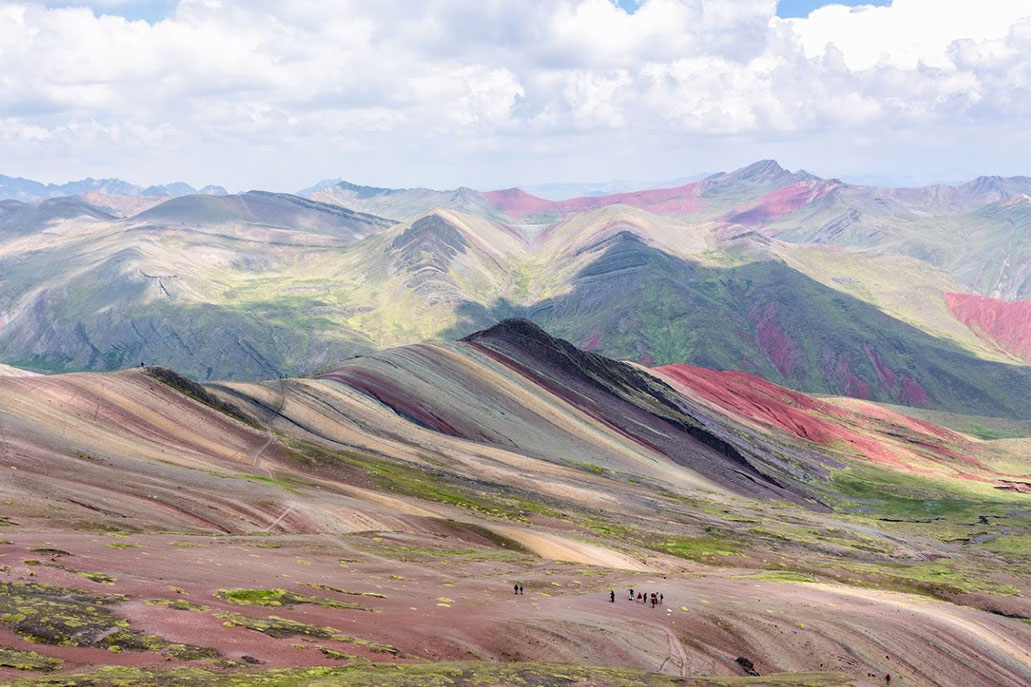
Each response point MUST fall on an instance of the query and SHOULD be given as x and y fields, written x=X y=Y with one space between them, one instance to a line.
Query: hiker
x=612 y=596
x=638 y=596
x=516 y=589
x=520 y=589
x=660 y=598
x=887 y=679
x=631 y=594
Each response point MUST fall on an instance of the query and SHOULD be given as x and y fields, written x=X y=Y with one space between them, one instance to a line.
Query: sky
x=495 y=93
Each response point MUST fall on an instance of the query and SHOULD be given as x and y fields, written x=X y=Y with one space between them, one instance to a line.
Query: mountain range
x=18 y=188
x=905 y=296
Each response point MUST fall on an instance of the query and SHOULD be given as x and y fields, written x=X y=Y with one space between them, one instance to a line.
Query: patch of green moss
x=418 y=483
x=466 y=674
x=892 y=494
x=178 y=605
x=782 y=576
x=338 y=590
x=282 y=597
x=189 y=652
x=125 y=639
x=940 y=579
x=700 y=549
x=422 y=553
x=278 y=628
x=98 y=577
x=589 y=467
x=284 y=484
x=338 y=655
x=48 y=614
x=28 y=660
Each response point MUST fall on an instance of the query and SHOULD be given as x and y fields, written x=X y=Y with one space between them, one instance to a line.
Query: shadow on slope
x=267 y=209
x=634 y=301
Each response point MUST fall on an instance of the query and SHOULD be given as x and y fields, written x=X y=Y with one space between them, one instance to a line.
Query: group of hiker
x=654 y=598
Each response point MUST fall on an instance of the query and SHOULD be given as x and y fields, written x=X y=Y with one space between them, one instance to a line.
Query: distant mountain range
x=908 y=296
x=17 y=188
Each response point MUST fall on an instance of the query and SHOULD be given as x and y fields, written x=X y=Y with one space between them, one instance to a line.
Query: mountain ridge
x=19 y=188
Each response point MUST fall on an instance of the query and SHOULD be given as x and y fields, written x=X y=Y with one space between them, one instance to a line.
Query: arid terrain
x=369 y=525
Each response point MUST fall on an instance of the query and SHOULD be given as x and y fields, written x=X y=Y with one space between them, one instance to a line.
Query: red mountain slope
x=517 y=203
x=1004 y=324
x=875 y=433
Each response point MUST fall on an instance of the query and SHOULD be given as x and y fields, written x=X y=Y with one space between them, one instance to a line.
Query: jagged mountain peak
x=760 y=172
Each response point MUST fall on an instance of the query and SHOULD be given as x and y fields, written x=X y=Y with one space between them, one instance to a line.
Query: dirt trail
x=677 y=655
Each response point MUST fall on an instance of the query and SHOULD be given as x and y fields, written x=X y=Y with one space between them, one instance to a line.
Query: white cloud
x=451 y=91
x=907 y=33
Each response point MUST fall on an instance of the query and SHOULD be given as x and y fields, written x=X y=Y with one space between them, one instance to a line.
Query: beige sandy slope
x=559 y=548
x=8 y=371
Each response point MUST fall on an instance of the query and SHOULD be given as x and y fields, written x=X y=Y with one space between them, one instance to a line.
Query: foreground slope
x=383 y=512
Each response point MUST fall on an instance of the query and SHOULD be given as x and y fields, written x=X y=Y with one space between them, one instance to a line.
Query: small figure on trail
x=516 y=589
x=655 y=600
x=612 y=596
x=638 y=596
x=631 y=593
x=520 y=589
x=660 y=598
x=887 y=679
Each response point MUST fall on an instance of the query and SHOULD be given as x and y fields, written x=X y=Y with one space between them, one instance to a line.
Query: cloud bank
x=492 y=93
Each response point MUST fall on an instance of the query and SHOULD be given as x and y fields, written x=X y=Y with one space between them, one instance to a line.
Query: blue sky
x=148 y=10
x=274 y=94
x=802 y=8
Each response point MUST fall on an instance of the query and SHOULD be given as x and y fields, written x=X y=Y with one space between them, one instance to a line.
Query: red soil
x=851 y=384
x=517 y=203
x=758 y=401
x=877 y=412
x=780 y=348
x=887 y=377
x=592 y=341
x=1004 y=324
x=783 y=201
x=913 y=393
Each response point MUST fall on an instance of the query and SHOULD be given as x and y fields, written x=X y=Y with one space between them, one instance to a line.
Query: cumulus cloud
x=483 y=91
